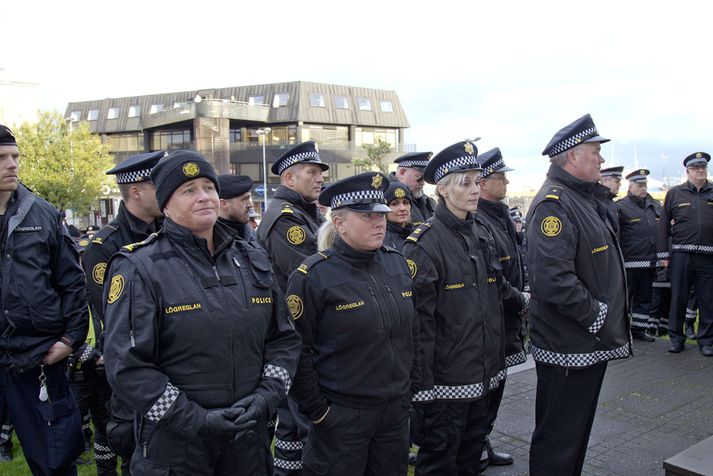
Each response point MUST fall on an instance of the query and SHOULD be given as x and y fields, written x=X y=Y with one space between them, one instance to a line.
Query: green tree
x=375 y=155
x=63 y=163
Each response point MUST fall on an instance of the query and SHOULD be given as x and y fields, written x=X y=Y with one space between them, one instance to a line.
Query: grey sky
x=512 y=72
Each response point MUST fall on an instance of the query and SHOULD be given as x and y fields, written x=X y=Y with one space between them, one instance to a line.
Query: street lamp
x=263 y=132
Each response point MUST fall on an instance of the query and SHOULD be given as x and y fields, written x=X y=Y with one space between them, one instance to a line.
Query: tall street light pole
x=263 y=133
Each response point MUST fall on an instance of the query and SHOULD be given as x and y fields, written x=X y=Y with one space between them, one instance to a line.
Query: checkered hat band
x=301 y=157
x=358 y=197
x=700 y=161
x=133 y=176
x=421 y=164
x=456 y=165
x=492 y=168
x=611 y=173
x=572 y=141
x=638 y=178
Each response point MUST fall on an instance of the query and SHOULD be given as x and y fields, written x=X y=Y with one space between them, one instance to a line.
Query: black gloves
x=254 y=406
x=221 y=423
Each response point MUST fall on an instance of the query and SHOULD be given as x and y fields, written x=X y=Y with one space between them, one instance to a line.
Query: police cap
x=305 y=153
x=639 y=175
x=697 y=158
x=516 y=214
x=414 y=160
x=580 y=131
x=361 y=193
x=137 y=168
x=492 y=162
x=6 y=137
x=459 y=157
x=616 y=172
x=177 y=168
x=397 y=191
x=232 y=186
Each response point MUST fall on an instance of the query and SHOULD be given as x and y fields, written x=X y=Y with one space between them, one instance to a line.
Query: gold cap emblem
x=190 y=169
x=469 y=148
x=377 y=180
x=698 y=155
x=399 y=193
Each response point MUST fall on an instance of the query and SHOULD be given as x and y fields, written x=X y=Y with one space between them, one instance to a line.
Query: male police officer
x=578 y=309
x=639 y=215
x=288 y=231
x=409 y=171
x=611 y=179
x=687 y=223
x=235 y=205
x=138 y=217
x=43 y=319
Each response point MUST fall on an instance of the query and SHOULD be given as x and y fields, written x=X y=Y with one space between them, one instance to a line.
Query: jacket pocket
x=45 y=324
x=147 y=467
x=63 y=432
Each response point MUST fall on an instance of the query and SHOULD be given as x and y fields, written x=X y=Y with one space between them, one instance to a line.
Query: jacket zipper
x=131 y=315
x=383 y=326
x=242 y=283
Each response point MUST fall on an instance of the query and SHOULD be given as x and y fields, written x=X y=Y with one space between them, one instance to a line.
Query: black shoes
x=707 y=350
x=689 y=330
x=490 y=457
x=5 y=453
x=677 y=347
x=641 y=335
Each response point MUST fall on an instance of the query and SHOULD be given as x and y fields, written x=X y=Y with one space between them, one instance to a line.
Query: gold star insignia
x=469 y=148
x=377 y=180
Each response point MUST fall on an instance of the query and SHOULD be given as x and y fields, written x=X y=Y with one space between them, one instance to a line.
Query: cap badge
x=698 y=155
x=190 y=169
x=642 y=172
x=399 y=193
x=469 y=148
x=377 y=180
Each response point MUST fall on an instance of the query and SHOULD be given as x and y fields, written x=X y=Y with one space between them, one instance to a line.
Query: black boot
x=496 y=458
x=690 y=331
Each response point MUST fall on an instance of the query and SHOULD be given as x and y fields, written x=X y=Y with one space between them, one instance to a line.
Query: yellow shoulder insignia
x=97 y=241
x=312 y=260
x=103 y=234
x=419 y=231
x=553 y=193
x=287 y=208
x=135 y=246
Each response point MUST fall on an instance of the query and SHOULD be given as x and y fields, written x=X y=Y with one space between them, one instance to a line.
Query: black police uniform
x=638 y=225
x=232 y=186
x=687 y=220
x=424 y=207
x=396 y=234
x=43 y=301
x=354 y=311
x=609 y=195
x=578 y=311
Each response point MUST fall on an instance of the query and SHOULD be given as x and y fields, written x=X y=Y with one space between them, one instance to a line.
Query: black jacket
x=496 y=216
x=187 y=331
x=396 y=235
x=458 y=305
x=288 y=231
x=354 y=311
x=44 y=298
x=686 y=221
x=243 y=231
x=638 y=227
x=578 y=308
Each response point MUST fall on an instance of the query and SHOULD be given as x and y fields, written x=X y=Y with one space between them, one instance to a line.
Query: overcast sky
x=512 y=72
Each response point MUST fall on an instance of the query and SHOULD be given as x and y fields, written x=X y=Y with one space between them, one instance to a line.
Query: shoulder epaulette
x=418 y=232
x=286 y=208
x=312 y=260
x=135 y=246
x=553 y=193
x=102 y=234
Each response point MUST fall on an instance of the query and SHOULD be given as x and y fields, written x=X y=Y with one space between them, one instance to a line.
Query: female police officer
x=459 y=314
x=398 y=222
x=198 y=343
x=352 y=305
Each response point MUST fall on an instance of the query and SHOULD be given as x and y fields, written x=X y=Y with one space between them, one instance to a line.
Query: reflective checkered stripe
x=286 y=464
x=637 y=264
x=360 y=196
x=457 y=162
x=164 y=402
x=290 y=161
x=86 y=421
x=459 y=392
x=102 y=452
x=5 y=433
x=288 y=445
x=516 y=359
x=492 y=168
x=691 y=314
x=707 y=249
x=133 y=176
x=273 y=371
x=86 y=354
x=421 y=164
x=599 y=321
x=579 y=360
x=640 y=321
x=570 y=142
x=663 y=255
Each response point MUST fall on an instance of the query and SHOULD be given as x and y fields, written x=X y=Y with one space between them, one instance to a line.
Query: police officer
x=458 y=305
x=409 y=171
x=639 y=216
x=398 y=221
x=496 y=216
x=687 y=220
x=43 y=319
x=235 y=205
x=578 y=312
x=353 y=306
x=611 y=179
x=199 y=342
x=288 y=231
x=138 y=217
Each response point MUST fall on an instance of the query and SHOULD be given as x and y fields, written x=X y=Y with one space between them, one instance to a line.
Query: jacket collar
x=284 y=193
x=223 y=237
x=587 y=189
x=358 y=259
x=692 y=188
x=398 y=230
x=138 y=227
x=452 y=221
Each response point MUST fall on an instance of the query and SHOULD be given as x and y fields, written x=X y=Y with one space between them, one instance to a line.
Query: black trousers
x=496 y=397
x=565 y=406
x=639 y=281
x=690 y=269
x=351 y=441
x=451 y=436
x=290 y=437
x=50 y=433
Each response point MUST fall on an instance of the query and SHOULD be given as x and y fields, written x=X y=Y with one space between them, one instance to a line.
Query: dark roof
x=235 y=103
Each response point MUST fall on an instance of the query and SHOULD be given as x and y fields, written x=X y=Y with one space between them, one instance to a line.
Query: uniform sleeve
x=552 y=246
x=305 y=307
x=94 y=261
x=290 y=242
x=425 y=293
x=68 y=280
x=664 y=231
x=282 y=351
x=130 y=347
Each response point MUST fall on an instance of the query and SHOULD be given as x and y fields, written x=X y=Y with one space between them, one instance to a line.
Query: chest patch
x=349 y=306
x=196 y=306
x=261 y=299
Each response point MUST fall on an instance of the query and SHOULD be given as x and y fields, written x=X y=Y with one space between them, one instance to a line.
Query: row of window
x=337 y=171
x=279 y=100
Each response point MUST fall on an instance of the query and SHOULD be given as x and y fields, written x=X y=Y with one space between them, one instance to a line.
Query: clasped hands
x=235 y=421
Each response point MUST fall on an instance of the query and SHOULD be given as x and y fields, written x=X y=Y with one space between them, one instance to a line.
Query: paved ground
x=652 y=406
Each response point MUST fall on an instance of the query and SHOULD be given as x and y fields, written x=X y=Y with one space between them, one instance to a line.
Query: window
x=131 y=142
x=283 y=135
x=316 y=99
x=341 y=102
x=364 y=104
x=134 y=111
x=234 y=136
x=251 y=170
x=75 y=116
x=369 y=135
x=113 y=113
x=326 y=135
x=155 y=108
x=280 y=99
x=171 y=140
x=386 y=106
x=93 y=115
x=257 y=99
